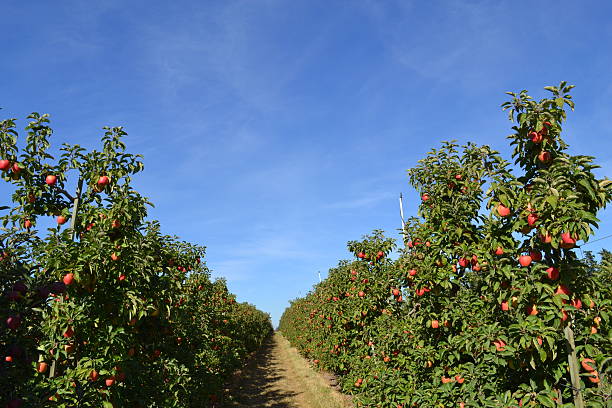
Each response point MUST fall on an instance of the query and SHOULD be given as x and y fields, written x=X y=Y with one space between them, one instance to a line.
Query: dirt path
x=278 y=377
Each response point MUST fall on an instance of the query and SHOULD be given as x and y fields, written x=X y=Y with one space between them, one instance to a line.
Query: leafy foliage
x=106 y=312
x=476 y=310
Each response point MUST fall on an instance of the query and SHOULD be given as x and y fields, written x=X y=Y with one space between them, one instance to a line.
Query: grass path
x=278 y=377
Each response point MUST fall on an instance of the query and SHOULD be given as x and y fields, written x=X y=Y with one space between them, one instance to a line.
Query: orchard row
x=105 y=311
x=488 y=304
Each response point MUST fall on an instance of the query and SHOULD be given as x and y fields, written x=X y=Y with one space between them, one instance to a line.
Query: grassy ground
x=278 y=377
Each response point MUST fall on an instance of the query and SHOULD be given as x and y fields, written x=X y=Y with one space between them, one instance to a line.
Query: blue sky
x=275 y=131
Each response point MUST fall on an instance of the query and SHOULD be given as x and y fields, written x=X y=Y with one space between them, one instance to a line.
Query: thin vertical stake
x=573 y=366
x=401 y=205
x=402 y=211
x=75 y=208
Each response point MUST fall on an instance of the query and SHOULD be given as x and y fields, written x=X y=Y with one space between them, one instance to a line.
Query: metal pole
x=402 y=211
x=401 y=205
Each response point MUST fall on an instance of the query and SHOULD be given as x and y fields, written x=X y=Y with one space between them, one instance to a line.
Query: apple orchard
x=488 y=304
x=102 y=310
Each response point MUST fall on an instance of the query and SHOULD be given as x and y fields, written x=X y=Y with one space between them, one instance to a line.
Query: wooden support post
x=573 y=365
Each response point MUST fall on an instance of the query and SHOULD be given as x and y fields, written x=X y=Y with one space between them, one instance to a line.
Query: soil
x=278 y=377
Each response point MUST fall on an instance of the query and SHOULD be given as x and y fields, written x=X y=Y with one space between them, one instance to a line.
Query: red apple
x=13 y=322
x=93 y=376
x=51 y=179
x=412 y=272
x=110 y=381
x=103 y=181
x=535 y=255
x=16 y=169
x=435 y=324
x=536 y=137
x=396 y=292
x=5 y=165
x=361 y=293
x=588 y=364
x=546 y=238
x=532 y=219
x=116 y=224
x=500 y=345
x=499 y=251
x=577 y=303
x=544 y=156
x=425 y=197
x=552 y=273
x=361 y=255
x=532 y=310
x=563 y=290
x=505 y=306
x=61 y=220
x=41 y=367
x=525 y=260
x=594 y=377
x=463 y=262
x=27 y=224
x=503 y=211
x=114 y=257
x=69 y=332
x=567 y=241
x=458 y=176
x=68 y=278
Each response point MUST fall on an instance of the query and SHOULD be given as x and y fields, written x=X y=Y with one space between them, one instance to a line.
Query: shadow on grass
x=255 y=385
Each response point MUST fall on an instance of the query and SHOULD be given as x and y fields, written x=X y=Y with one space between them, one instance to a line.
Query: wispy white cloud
x=368 y=200
x=450 y=48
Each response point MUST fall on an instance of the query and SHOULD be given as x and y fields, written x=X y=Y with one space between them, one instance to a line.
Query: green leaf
x=553 y=201
x=542 y=353
x=546 y=401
